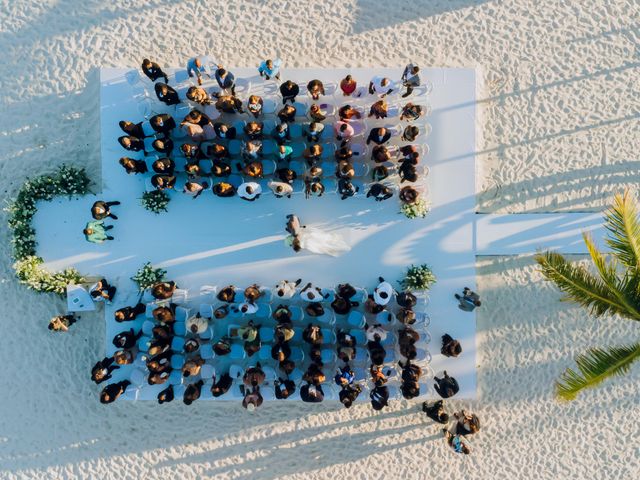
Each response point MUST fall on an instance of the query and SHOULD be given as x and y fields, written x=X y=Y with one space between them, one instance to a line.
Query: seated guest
x=315 y=89
x=284 y=153
x=123 y=357
x=379 y=173
x=286 y=175
x=127 y=339
x=224 y=131
x=314 y=374
x=378 y=136
x=192 y=366
x=282 y=313
x=311 y=393
x=160 y=363
x=197 y=324
x=284 y=388
x=163 y=182
x=380 y=109
x=197 y=117
x=383 y=292
x=379 y=192
x=192 y=392
x=221 y=386
x=96 y=231
x=409 y=152
x=158 y=378
x=166 y=395
x=220 y=169
x=163 y=314
x=411 y=112
x=217 y=151
x=345 y=170
x=111 y=392
x=252 y=398
x=196 y=68
x=153 y=71
x=376 y=352
x=410 y=78
x=199 y=95
x=407 y=172
x=164 y=145
x=289 y=91
x=102 y=291
x=283 y=332
x=379 y=397
x=348 y=85
x=344 y=131
x=347 y=112
x=312 y=334
x=162 y=123
x=132 y=144
x=128 y=314
x=134 y=166
x=287 y=114
x=101 y=371
x=164 y=166
x=194 y=189
x=344 y=376
x=380 y=154
x=346 y=189
x=249 y=191
x=312 y=154
x=378 y=376
x=254 y=105
x=270 y=69
x=194 y=172
x=166 y=94
x=280 y=351
x=342 y=306
x=375 y=333
x=314 y=309
x=314 y=132
x=313 y=188
x=222 y=347
x=251 y=149
x=406 y=299
x=192 y=151
x=315 y=113
x=253 y=130
x=410 y=133
x=226 y=80
x=446 y=386
x=159 y=346
x=163 y=290
x=281 y=133
x=101 y=210
x=224 y=189
x=227 y=294
x=380 y=86
x=344 y=153
x=254 y=376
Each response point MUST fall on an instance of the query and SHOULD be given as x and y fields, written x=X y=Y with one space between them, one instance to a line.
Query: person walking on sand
x=96 y=231
x=456 y=442
x=153 y=71
x=469 y=300
x=436 y=412
x=101 y=371
x=270 y=69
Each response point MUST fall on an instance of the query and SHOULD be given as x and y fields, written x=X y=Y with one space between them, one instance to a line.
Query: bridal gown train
x=321 y=242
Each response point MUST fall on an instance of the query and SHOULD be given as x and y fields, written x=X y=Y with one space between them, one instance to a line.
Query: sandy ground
x=560 y=130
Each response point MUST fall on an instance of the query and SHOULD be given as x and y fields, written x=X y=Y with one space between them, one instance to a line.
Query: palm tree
x=613 y=289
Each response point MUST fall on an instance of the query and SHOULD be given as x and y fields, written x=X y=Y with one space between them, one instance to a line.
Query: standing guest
x=455 y=442
x=229 y=104
x=467 y=423
x=316 y=114
x=128 y=314
x=111 y=392
x=133 y=144
x=134 y=166
x=195 y=67
x=281 y=133
x=61 y=323
x=469 y=300
x=199 y=95
x=289 y=91
x=314 y=132
x=378 y=136
x=221 y=386
x=287 y=114
x=349 y=394
x=166 y=94
x=166 y=395
x=380 y=109
x=347 y=112
x=446 y=386
x=379 y=397
x=222 y=130
x=284 y=388
x=162 y=123
x=226 y=80
x=344 y=131
x=380 y=86
x=126 y=339
x=411 y=112
x=101 y=371
x=101 y=210
x=102 y=291
x=346 y=188
x=249 y=191
x=315 y=89
x=379 y=192
x=348 y=85
x=450 y=346
x=270 y=69
x=192 y=392
x=96 y=232
x=254 y=105
x=410 y=78
x=252 y=399
x=153 y=71
x=436 y=412
x=311 y=393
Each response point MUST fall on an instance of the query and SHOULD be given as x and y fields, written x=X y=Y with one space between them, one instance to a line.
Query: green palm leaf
x=594 y=367
x=621 y=221
x=581 y=286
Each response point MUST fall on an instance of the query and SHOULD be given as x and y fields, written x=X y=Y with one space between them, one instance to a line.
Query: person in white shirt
x=280 y=189
x=197 y=324
x=247 y=308
x=249 y=191
x=311 y=293
x=380 y=86
x=383 y=292
x=375 y=333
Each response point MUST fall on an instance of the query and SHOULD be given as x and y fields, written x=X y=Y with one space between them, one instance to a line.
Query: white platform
x=219 y=241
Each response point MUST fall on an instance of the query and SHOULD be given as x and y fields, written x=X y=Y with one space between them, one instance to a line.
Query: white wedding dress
x=322 y=243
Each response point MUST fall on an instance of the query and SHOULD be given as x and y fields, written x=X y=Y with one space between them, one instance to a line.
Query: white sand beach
x=558 y=130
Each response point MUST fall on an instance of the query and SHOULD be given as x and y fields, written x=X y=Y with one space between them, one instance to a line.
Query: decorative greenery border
x=67 y=181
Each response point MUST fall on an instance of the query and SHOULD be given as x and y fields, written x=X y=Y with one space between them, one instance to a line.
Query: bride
x=313 y=239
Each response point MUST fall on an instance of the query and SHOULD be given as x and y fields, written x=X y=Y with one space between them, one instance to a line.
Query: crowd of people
x=228 y=144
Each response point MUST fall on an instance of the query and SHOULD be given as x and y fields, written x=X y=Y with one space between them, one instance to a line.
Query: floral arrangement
x=65 y=181
x=418 y=277
x=155 y=201
x=419 y=209
x=147 y=276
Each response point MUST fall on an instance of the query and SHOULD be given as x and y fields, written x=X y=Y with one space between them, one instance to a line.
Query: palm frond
x=621 y=221
x=594 y=367
x=581 y=286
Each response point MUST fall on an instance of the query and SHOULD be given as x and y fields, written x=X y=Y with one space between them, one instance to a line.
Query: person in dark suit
x=166 y=94
x=153 y=71
x=378 y=136
x=162 y=123
x=222 y=130
x=133 y=144
x=101 y=210
x=226 y=80
x=132 y=165
x=111 y=392
x=446 y=386
x=289 y=91
x=380 y=192
x=126 y=339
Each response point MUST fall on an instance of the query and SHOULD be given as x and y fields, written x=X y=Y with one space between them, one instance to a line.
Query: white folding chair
x=264 y=353
x=269 y=106
x=177 y=344
x=328 y=356
x=207 y=372
x=207 y=334
x=356 y=319
x=147 y=327
x=266 y=334
x=327 y=318
x=328 y=336
x=297 y=355
x=206 y=310
x=182 y=314
x=177 y=361
x=180 y=328
x=179 y=296
x=236 y=372
x=143 y=344
x=237 y=352
x=137 y=377
x=206 y=351
x=359 y=336
x=175 y=378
